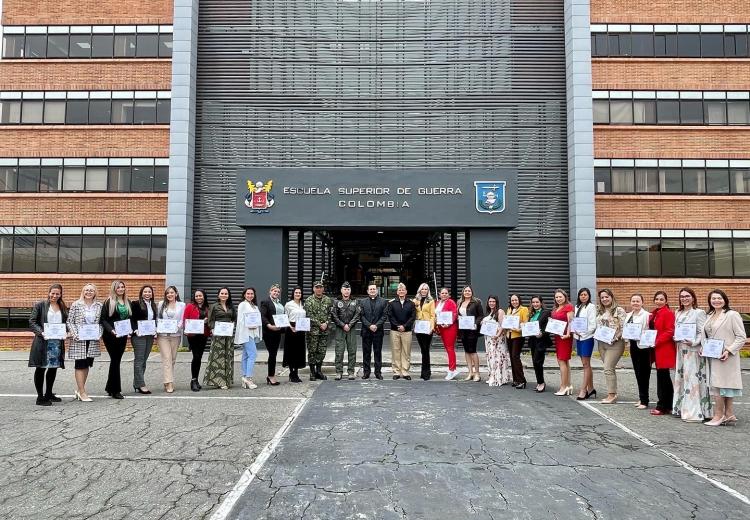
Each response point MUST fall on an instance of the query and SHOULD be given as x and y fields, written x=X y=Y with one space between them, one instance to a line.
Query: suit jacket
x=374 y=312
x=401 y=314
x=138 y=312
x=267 y=310
x=108 y=323
x=474 y=308
x=38 y=354
x=546 y=340
x=77 y=317
x=727 y=327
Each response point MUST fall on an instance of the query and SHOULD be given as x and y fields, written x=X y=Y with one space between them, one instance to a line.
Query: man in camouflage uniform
x=345 y=314
x=318 y=309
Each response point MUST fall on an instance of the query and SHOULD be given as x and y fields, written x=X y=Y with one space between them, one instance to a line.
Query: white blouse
x=295 y=311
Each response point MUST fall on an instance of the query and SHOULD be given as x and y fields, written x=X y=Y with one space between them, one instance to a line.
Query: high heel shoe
x=86 y=399
x=477 y=378
x=248 y=383
x=469 y=377
x=272 y=383
x=716 y=422
x=169 y=388
x=567 y=390
x=592 y=393
x=521 y=386
x=540 y=388
x=610 y=400
x=730 y=421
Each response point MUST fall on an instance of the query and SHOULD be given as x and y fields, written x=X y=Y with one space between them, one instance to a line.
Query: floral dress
x=692 y=400
x=220 y=368
x=498 y=358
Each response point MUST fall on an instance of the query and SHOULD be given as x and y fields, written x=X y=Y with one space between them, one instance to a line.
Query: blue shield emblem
x=489 y=196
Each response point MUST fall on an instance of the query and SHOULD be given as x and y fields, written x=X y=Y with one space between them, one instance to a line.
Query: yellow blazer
x=523 y=313
x=426 y=311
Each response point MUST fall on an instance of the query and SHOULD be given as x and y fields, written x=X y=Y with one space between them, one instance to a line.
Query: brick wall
x=87 y=12
x=86 y=75
x=84 y=141
x=670 y=74
x=668 y=142
x=83 y=209
x=669 y=11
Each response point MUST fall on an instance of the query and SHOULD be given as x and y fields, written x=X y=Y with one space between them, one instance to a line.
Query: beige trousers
x=400 y=352
x=168 y=349
x=611 y=355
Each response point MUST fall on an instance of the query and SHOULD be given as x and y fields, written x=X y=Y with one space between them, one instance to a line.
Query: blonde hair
x=402 y=286
x=83 y=289
x=601 y=309
x=113 y=298
x=564 y=293
x=419 y=291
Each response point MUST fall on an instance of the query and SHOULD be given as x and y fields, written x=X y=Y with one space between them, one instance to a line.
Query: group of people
x=677 y=341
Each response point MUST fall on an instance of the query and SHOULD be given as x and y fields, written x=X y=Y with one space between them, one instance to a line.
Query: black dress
x=294 y=345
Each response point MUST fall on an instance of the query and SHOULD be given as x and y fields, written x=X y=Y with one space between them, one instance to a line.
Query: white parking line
x=736 y=494
x=192 y=397
x=250 y=473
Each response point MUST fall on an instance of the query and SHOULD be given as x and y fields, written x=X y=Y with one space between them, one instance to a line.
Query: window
x=10 y=111
x=144 y=111
x=649 y=257
x=643 y=44
x=163 y=107
x=647 y=180
x=8 y=178
x=36 y=46
x=32 y=112
x=696 y=257
x=158 y=254
x=13 y=45
x=6 y=253
x=694 y=180
x=601 y=111
x=716 y=112
x=165 y=45
x=116 y=254
x=668 y=112
x=670 y=180
x=102 y=45
x=80 y=46
x=138 y=254
x=28 y=178
x=96 y=178
x=673 y=257
x=712 y=45
x=688 y=45
x=665 y=45
x=57 y=45
x=125 y=45
x=717 y=180
x=147 y=46
x=691 y=112
x=720 y=257
x=735 y=45
x=119 y=179
x=142 y=179
x=738 y=112
x=70 y=254
x=122 y=111
x=599 y=45
x=92 y=254
x=54 y=112
x=623 y=180
x=77 y=112
x=602 y=180
x=73 y=178
x=742 y=257
x=621 y=111
x=51 y=179
x=739 y=181
x=46 y=253
x=603 y=257
x=161 y=179
x=624 y=258
x=100 y=111
x=644 y=112
x=23 y=253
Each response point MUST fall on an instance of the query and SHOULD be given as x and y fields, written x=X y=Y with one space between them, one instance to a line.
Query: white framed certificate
x=648 y=339
x=302 y=325
x=579 y=325
x=147 y=327
x=55 y=331
x=490 y=328
x=713 y=348
x=467 y=323
x=556 y=327
x=511 y=321
x=195 y=326
x=223 y=328
x=253 y=320
x=422 y=327
x=445 y=318
x=685 y=331
x=281 y=320
x=632 y=331
x=89 y=332
x=166 y=326
x=530 y=328
x=605 y=334
x=123 y=328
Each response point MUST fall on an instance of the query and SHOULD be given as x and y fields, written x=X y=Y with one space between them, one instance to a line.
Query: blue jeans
x=249 y=353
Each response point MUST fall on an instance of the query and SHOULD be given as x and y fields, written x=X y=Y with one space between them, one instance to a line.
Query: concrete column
x=266 y=258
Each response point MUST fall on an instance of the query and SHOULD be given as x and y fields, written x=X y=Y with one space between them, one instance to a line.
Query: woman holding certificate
x=470 y=307
x=498 y=358
x=425 y=306
x=169 y=329
x=47 y=322
x=269 y=309
x=563 y=312
x=723 y=337
x=446 y=313
x=539 y=342
x=585 y=313
x=664 y=353
x=636 y=322
x=516 y=340
x=142 y=312
x=609 y=321
x=692 y=399
x=221 y=318
x=294 y=338
x=197 y=310
x=115 y=320
x=83 y=325
x=248 y=333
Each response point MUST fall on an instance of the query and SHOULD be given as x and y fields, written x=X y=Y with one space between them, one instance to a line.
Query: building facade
x=129 y=132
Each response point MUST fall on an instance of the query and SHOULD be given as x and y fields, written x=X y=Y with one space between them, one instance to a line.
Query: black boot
x=42 y=401
x=312 y=372
x=194 y=385
x=319 y=372
x=293 y=376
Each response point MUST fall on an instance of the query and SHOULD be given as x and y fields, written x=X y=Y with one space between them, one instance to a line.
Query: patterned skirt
x=53 y=353
x=498 y=361
x=692 y=400
x=220 y=367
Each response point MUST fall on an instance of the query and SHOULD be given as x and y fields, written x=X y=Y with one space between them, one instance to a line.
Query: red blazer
x=193 y=313
x=665 y=350
x=448 y=306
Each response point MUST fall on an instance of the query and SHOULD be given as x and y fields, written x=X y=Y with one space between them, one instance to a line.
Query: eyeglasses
x=683 y=296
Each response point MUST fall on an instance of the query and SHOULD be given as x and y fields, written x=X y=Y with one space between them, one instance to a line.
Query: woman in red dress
x=448 y=332
x=563 y=311
x=664 y=353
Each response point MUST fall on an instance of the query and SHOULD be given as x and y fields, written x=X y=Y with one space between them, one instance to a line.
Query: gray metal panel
x=440 y=84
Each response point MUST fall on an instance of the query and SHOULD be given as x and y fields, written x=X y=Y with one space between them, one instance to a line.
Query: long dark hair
x=202 y=309
x=301 y=292
x=578 y=299
x=541 y=301
x=692 y=294
x=230 y=305
x=164 y=302
x=60 y=302
x=493 y=314
x=254 y=301
x=520 y=300
x=142 y=302
x=723 y=295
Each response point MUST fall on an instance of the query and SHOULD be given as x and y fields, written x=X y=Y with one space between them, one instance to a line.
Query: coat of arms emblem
x=259 y=198
x=490 y=196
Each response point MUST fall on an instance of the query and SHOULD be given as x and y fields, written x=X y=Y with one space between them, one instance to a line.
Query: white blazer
x=179 y=307
x=242 y=333
x=588 y=312
x=641 y=318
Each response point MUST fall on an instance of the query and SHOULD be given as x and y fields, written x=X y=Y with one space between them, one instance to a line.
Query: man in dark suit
x=373 y=318
x=401 y=313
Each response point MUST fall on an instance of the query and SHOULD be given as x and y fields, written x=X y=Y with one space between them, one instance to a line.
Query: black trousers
x=115 y=349
x=514 y=347
x=272 y=341
x=641 y=358
x=372 y=341
x=424 y=341
x=538 y=353
x=664 y=390
x=197 y=344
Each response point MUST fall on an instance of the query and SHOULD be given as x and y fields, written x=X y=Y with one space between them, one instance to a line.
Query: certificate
x=166 y=326
x=511 y=322
x=89 y=332
x=253 y=320
x=556 y=326
x=195 y=326
x=123 y=328
x=54 y=331
x=422 y=327
x=146 y=327
x=632 y=331
x=684 y=331
x=713 y=348
x=530 y=328
x=445 y=318
x=648 y=339
x=467 y=323
x=605 y=334
x=223 y=328
x=579 y=325
x=302 y=325
x=281 y=320
x=490 y=328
